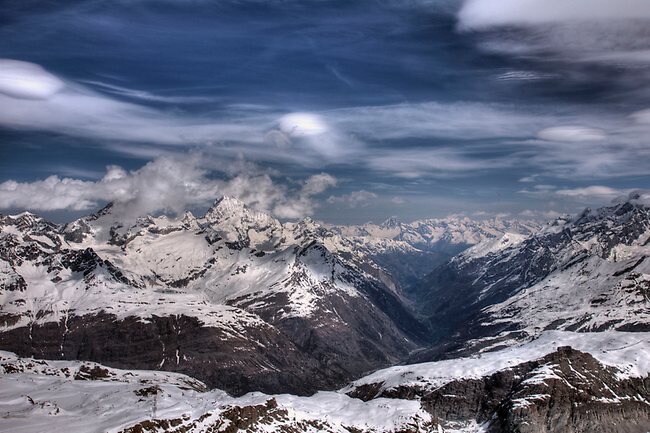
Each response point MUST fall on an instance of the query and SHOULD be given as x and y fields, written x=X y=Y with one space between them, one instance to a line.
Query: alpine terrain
x=235 y=321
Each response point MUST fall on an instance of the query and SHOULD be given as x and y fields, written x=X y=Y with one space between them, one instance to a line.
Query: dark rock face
x=260 y=359
x=567 y=391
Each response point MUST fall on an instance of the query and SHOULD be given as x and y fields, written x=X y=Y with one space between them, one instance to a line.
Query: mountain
x=409 y=251
x=234 y=298
x=538 y=331
x=563 y=382
x=587 y=273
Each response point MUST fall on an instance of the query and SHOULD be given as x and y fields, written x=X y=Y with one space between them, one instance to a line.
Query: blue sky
x=344 y=111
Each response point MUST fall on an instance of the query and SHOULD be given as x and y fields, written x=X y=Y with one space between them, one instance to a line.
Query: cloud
x=303 y=203
x=144 y=95
x=642 y=116
x=529 y=179
x=459 y=120
x=437 y=162
x=481 y=14
x=464 y=138
x=540 y=214
x=23 y=80
x=594 y=191
x=302 y=125
x=35 y=99
x=572 y=134
x=78 y=111
x=168 y=185
x=354 y=199
x=578 y=31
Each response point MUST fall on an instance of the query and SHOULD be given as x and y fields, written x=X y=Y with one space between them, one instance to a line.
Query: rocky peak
x=229 y=209
x=106 y=210
x=230 y=219
x=608 y=228
x=28 y=223
x=391 y=223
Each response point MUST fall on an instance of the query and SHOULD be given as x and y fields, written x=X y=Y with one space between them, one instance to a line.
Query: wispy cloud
x=594 y=191
x=466 y=138
x=354 y=199
x=142 y=94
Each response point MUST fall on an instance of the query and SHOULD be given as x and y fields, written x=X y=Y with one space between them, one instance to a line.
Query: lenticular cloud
x=25 y=80
x=483 y=14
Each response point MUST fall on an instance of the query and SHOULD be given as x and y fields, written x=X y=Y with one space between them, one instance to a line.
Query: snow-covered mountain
x=439 y=234
x=588 y=273
x=234 y=298
x=563 y=382
x=409 y=251
x=242 y=302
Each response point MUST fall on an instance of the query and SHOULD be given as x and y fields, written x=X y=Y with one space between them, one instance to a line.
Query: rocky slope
x=588 y=273
x=562 y=382
x=234 y=298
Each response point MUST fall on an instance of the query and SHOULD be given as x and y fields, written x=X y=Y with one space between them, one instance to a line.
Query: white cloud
x=594 y=191
x=302 y=125
x=32 y=98
x=593 y=31
x=354 y=199
x=167 y=185
x=529 y=179
x=572 y=134
x=302 y=203
x=481 y=14
x=23 y=80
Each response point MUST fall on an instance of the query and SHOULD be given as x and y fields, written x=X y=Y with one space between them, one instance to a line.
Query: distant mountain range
x=242 y=302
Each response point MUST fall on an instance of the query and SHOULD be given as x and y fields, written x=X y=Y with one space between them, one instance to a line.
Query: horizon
x=638 y=198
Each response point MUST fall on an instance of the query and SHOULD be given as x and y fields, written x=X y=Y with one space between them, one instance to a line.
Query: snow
x=45 y=396
x=492 y=245
x=627 y=351
x=172 y=268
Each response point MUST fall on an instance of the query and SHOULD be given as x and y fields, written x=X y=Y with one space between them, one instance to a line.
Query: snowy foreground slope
x=598 y=385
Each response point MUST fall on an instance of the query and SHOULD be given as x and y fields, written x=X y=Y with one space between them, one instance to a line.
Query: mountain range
x=516 y=319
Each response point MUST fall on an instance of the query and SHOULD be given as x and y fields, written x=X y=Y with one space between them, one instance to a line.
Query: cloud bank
x=169 y=185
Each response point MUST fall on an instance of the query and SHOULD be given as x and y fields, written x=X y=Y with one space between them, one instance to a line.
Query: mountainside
x=234 y=298
x=561 y=383
x=588 y=273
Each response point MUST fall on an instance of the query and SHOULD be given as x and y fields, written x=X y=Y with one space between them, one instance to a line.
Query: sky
x=345 y=111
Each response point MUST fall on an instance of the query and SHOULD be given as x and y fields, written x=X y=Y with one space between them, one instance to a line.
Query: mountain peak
x=225 y=208
x=228 y=202
x=391 y=222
